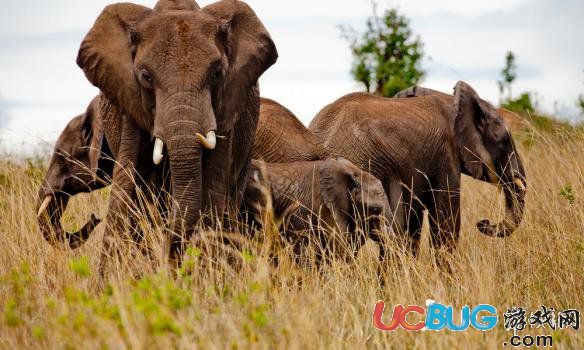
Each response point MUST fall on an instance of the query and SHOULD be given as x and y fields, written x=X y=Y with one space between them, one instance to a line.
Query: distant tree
x=386 y=57
x=508 y=76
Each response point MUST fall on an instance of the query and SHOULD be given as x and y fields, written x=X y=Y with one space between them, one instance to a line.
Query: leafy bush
x=387 y=56
x=522 y=104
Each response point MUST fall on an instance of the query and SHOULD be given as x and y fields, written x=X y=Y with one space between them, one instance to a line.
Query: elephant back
x=281 y=137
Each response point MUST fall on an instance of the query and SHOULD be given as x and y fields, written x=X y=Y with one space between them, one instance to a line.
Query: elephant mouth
x=490 y=175
x=208 y=142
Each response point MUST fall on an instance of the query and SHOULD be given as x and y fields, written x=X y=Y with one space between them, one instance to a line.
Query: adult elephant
x=425 y=143
x=179 y=75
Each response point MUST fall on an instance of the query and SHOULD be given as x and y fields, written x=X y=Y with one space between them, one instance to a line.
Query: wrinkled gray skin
x=333 y=195
x=281 y=137
x=173 y=72
x=426 y=143
x=81 y=162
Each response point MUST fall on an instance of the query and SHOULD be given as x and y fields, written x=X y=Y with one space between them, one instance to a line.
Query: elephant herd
x=179 y=112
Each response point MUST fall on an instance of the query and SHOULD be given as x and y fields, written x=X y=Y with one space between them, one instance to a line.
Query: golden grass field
x=48 y=297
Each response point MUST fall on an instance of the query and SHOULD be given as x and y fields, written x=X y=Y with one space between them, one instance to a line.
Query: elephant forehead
x=186 y=31
x=374 y=196
x=69 y=140
x=373 y=188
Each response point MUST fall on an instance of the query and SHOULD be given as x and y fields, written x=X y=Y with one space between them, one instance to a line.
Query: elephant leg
x=216 y=185
x=116 y=218
x=414 y=214
x=122 y=193
x=241 y=185
x=397 y=218
x=407 y=214
x=444 y=210
x=396 y=202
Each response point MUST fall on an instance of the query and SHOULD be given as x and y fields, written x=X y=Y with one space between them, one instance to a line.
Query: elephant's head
x=488 y=153
x=73 y=168
x=352 y=195
x=180 y=73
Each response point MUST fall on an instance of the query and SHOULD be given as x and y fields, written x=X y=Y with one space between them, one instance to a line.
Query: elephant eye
x=376 y=210
x=146 y=78
x=355 y=182
x=504 y=140
x=215 y=77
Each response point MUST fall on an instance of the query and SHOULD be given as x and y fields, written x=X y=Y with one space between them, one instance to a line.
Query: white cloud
x=3 y=117
x=463 y=8
x=543 y=34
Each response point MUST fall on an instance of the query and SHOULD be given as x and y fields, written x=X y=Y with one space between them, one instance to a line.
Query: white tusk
x=520 y=184
x=209 y=142
x=157 y=155
x=44 y=206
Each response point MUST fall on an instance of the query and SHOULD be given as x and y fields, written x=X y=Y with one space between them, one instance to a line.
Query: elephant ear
x=93 y=135
x=249 y=48
x=176 y=5
x=338 y=184
x=469 y=126
x=106 y=58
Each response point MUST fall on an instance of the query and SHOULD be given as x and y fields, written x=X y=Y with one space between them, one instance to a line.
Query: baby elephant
x=80 y=162
x=325 y=202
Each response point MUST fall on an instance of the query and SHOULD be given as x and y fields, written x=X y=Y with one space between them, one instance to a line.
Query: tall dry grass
x=48 y=297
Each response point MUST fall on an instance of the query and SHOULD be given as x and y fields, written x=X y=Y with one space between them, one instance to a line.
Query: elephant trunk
x=514 y=188
x=50 y=209
x=185 y=155
x=185 y=123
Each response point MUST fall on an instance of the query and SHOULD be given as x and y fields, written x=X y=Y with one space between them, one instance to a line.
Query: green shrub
x=522 y=104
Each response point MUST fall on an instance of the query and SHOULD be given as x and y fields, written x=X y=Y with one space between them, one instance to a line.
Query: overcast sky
x=41 y=87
